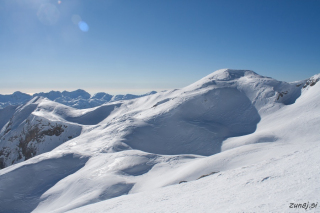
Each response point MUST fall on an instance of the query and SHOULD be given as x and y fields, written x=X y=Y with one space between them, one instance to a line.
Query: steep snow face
x=197 y=125
x=195 y=120
x=265 y=93
x=269 y=131
x=41 y=125
x=233 y=125
x=26 y=135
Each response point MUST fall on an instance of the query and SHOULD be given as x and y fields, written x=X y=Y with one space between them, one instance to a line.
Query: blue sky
x=135 y=46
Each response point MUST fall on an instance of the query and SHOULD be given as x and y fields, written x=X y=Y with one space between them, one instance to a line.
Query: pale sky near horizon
x=126 y=46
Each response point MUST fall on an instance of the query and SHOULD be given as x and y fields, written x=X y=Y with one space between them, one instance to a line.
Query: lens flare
x=83 y=26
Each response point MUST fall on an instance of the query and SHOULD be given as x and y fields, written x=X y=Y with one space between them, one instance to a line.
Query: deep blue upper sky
x=134 y=46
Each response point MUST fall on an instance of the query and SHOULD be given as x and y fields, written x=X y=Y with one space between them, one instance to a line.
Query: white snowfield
x=233 y=141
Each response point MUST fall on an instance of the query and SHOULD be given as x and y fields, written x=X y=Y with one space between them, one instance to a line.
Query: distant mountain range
x=79 y=99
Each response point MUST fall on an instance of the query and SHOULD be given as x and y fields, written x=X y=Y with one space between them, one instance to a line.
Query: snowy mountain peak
x=79 y=93
x=224 y=76
x=52 y=95
x=230 y=74
x=102 y=96
x=19 y=94
x=14 y=99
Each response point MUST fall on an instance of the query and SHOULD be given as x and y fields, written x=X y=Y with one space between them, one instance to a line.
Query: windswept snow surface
x=234 y=140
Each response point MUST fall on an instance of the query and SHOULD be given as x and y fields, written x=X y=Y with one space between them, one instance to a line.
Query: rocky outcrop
x=34 y=136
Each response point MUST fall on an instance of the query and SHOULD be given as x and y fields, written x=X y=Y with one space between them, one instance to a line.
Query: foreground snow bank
x=291 y=176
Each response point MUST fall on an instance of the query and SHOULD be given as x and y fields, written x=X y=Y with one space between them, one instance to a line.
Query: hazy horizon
x=134 y=47
x=91 y=92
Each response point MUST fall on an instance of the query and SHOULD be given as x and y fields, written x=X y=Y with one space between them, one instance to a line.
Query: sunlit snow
x=233 y=141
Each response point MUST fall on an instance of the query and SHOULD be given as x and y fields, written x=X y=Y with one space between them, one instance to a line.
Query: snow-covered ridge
x=79 y=99
x=41 y=125
x=223 y=137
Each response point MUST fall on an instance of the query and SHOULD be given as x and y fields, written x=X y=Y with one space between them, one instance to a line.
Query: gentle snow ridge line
x=267 y=186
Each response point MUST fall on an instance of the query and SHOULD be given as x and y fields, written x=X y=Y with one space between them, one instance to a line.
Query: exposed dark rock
x=311 y=82
x=281 y=94
x=4 y=153
x=2 y=165
x=8 y=126
x=57 y=130
x=27 y=140
x=35 y=134
x=202 y=176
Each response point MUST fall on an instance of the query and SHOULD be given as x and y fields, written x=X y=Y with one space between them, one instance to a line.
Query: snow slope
x=269 y=185
x=256 y=136
x=267 y=171
x=41 y=125
x=26 y=134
